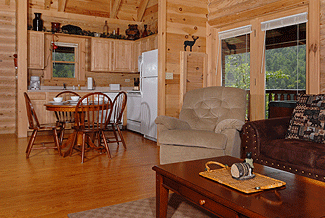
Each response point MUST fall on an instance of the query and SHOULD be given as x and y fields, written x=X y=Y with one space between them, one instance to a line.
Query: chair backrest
x=62 y=116
x=31 y=114
x=93 y=112
x=204 y=108
x=67 y=95
x=119 y=104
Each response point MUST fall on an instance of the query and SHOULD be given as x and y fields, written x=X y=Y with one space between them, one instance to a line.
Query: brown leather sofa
x=266 y=140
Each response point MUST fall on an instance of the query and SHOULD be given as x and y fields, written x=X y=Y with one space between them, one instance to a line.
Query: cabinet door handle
x=201 y=202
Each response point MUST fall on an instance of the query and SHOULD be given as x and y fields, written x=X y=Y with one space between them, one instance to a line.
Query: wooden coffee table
x=301 y=197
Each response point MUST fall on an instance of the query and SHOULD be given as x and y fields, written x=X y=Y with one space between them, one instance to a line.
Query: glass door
x=285 y=62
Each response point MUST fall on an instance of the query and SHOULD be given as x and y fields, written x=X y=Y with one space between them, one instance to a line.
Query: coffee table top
x=301 y=197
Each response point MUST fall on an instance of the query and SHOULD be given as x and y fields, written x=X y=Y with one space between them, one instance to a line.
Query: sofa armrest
x=257 y=133
x=172 y=123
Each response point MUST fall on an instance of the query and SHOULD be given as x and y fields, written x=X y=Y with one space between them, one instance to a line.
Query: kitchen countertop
x=83 y=89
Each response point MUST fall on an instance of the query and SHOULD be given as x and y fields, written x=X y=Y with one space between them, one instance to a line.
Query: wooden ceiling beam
x=61 y=5
x=141 y=9
x=116 y=6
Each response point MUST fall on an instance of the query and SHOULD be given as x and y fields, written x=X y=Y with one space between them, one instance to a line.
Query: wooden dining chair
x=92 y=114
x=119 y=104
x=65 y=118
x=36 y=127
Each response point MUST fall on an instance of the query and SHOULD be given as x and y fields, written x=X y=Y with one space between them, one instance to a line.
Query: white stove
x=134 y=111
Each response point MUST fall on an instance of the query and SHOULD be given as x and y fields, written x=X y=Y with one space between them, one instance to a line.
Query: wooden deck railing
x=283 y=94
x=275 y=95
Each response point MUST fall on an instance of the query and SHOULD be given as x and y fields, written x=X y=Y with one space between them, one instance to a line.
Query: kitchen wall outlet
x=169 y=75
x=127 y=80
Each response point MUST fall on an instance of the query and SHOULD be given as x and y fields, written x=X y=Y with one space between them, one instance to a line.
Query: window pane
x=285 y=63
x=236 y=62
x=63 y=70
x=63 y=53
x=235 y=56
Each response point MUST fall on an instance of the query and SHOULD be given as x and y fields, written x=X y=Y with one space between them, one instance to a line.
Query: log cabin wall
x=150 y=16
x=184 y=19
x=7 y=69
x=322 y=46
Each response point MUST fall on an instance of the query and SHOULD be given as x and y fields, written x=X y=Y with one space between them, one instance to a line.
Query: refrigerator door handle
x=141 y=82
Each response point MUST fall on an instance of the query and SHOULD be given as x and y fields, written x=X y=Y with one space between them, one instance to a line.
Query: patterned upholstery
x=308 y=119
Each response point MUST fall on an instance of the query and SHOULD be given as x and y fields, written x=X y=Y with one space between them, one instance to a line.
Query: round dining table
x=69 y=107
x=63 y=107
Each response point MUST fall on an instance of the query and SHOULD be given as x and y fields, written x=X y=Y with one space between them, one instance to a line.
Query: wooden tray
x=256 y=184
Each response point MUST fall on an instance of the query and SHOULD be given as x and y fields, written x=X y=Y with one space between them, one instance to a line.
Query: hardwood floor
x=47 y=185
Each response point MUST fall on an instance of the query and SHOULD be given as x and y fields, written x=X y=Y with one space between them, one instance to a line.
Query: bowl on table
x=58 y=99
x=75 y=98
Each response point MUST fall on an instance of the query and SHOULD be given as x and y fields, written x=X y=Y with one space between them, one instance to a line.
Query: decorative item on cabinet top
x=133 y=33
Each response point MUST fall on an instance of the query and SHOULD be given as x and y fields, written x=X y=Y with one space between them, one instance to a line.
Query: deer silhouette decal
x=190 y=43
x=231 y=47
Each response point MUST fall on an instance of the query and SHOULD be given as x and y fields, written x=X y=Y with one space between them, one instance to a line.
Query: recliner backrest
x=204 y=108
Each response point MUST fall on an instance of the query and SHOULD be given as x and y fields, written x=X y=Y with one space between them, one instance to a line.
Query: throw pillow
x=308 y=119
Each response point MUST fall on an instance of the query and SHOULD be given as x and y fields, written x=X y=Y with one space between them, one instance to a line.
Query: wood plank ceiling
x=132 y=10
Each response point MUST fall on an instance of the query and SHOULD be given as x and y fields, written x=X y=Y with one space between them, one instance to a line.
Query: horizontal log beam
x=253 y=13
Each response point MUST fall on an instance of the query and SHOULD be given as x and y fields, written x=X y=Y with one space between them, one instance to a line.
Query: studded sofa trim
x=256 y=133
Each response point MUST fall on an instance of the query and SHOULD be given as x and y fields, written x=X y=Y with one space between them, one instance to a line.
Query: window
x=235 y=59
x=64 y=60
x=267 y=58
x=285 y=58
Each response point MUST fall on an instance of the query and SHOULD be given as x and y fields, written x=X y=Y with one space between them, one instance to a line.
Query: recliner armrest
x=256 y=133
x=172 y=123
x=229 y=124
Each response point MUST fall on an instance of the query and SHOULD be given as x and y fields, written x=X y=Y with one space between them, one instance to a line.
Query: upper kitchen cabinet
x=113 y=55
x=101 y=54
x=35 y=50
x=149 y=43
x=122 y=56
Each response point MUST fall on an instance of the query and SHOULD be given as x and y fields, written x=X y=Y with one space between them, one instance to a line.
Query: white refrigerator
x=148 y=65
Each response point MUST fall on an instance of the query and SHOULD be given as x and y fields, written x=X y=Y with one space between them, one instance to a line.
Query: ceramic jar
x=55 y=27
x=133 y=33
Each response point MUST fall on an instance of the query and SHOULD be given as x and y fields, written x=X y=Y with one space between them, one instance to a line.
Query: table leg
x=70 y=144
x=161 y=197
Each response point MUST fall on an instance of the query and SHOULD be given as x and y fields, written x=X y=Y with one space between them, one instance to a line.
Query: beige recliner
x=208 y=125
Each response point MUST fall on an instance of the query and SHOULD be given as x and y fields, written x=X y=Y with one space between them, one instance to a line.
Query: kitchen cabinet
x=35 y=50
x=136 y=53
x=149 y=43
x=122 y=56
x=101 y=54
